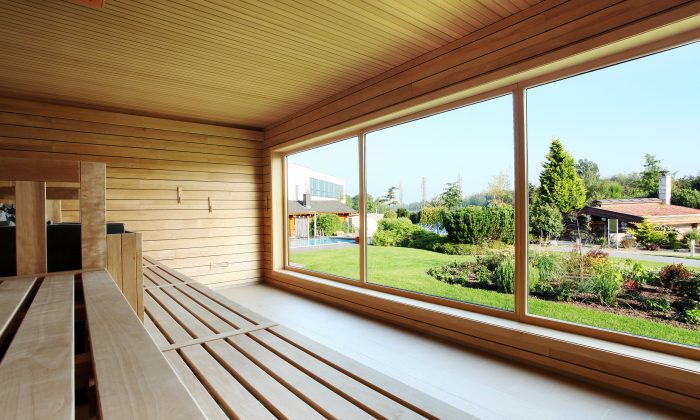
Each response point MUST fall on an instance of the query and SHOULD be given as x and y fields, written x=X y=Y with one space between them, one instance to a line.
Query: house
x=657 y=211
x=301 y=214
x=158 y=133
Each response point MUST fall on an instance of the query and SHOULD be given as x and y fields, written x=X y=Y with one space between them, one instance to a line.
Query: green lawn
x=405 y=268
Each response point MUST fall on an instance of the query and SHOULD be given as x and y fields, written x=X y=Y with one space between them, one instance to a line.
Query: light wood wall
x=528 y=40
x=147 y=160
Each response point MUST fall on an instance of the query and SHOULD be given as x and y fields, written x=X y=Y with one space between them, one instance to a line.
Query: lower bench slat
x=133 y=378
x=36 y=374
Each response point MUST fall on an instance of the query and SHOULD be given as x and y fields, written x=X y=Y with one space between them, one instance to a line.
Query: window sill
x=644 y=373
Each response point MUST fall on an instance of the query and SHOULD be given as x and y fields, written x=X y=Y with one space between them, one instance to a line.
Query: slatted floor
x=237 y=364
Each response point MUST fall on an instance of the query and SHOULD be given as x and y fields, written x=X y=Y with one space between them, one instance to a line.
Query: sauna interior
x=275 y=209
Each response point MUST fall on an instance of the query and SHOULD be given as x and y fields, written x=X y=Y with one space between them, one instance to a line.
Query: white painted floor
x=480 y=384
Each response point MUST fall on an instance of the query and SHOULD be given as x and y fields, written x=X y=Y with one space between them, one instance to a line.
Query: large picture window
x=584 y=215
x=615 y=197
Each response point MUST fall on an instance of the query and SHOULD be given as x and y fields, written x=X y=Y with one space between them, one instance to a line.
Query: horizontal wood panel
x=147 y=162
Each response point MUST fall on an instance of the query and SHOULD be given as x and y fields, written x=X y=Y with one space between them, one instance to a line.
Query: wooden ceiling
x=241 y=63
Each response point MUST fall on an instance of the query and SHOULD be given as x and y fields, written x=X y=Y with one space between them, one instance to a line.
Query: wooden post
x=30 y=197
x=93 y=229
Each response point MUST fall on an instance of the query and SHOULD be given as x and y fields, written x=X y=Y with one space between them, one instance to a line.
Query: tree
x=402 y=212
x=500 y=189
x=390 y=198
x=560 y=185
x=432 y=216
x=355 y=203
x=451 y=197
x=590 y=174
x=546 y=221
x=649 y=182
x=348 y=199
x=686 y=197
x=327 y=224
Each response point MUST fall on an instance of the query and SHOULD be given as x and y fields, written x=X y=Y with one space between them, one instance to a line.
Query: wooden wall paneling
x=43 y=171
x=147 y=160
x=93 y=233
x=114 y=259
x=30 y=198
x=53 y=210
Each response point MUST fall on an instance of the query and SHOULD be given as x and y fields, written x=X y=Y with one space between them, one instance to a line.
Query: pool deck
x=322 y=247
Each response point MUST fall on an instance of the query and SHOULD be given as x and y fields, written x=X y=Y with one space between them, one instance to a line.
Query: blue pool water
x=300 y=243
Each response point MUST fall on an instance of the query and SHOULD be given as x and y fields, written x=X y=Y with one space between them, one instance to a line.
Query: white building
x=302 y=180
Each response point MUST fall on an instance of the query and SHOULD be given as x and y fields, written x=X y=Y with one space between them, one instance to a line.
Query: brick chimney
x=665 y=188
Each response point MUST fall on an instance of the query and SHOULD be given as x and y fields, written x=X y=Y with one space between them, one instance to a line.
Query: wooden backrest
x=29 y=178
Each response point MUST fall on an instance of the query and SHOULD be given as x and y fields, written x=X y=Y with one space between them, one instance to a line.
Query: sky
x=611 y=116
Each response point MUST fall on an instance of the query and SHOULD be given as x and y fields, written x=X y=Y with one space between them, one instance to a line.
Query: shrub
x=415 y=217
x=327 y=224
x=686 y=197
x=669 y=275
x=421 y=239
x=628 y=243
x=393 y=232
x=390 y=214
x=648 y=235
x=402 y=213
x=546 y=221
x=504 y=276
x=450 y=248
x=691 y=236
x=656 y=305
x=692 y=316
x=635 y=273
x=432 y=216
x=474 y=225
x=606 y=283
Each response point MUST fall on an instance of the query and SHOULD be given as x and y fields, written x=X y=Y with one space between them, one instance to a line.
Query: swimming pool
x=301 y=243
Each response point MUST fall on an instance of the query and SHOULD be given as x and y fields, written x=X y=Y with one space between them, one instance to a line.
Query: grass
x=405 y=268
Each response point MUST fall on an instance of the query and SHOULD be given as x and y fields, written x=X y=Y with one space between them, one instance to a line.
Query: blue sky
x=612 y=116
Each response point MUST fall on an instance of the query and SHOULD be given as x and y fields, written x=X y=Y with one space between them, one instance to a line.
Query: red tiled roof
x=646 y=209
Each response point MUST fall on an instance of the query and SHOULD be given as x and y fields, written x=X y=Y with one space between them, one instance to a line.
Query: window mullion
x=521 y=199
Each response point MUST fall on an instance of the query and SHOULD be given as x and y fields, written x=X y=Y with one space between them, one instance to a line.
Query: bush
x=628 y=243
x=669 y=275
x=327 y=224
x=649 y=236
x=686 y=197
x=393 y=232
x=475 y=225
x=546 y=222
x=606 y=283
x=692 y=316
x=450 y=248
x=504 y=276
x=656 y=305
x=690 y=236
x=402 y=213
x=420 y=238
x=390 y=214
x=432 y=216
x=415 y=217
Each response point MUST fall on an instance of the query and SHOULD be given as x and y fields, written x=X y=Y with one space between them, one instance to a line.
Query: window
x=612 y=204
x=440 y=218
x=323 y=222
x=615 y=191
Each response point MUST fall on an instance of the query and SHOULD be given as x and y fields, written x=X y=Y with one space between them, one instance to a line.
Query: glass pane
x=323 y=221
x=615 y=197
x=440 y=217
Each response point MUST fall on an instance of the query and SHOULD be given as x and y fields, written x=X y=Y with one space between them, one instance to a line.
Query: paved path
x=639 y=255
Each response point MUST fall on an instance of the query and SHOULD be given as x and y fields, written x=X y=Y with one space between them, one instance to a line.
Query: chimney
x=665 y=188
x=307 y=201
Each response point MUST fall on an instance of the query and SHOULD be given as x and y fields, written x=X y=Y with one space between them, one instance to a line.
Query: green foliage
x=649 y=181
x=692 y=316
x=415 y=217
x=656 y=305
x=560 y=185
x=390 y=214
x=647 y=234
x=671 y=274
x=606 y=283
x=393 y=232
x=686 y=197
x=475 y=225
x=500 y=190
x=327 y=224
x=390 y=198
x=451 y=197
x=402 y=212
x=690 y=236
x=546 y=221
x=504 y=276
x=431 y=216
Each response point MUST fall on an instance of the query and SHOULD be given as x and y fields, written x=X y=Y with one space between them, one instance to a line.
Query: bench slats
x=407 y=396
x=13 y=294
x=314 y=393
x=130 y=383
x=234 y=397
x=208 y=405
x=374 y=402
x=36 y=374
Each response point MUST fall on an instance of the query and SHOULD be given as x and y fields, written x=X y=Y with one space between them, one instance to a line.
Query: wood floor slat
x=13 y=294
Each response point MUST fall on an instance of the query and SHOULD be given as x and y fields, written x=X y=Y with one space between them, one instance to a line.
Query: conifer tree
x=560 y=185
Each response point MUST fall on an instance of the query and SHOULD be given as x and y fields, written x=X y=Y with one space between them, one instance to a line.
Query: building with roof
x=311 y=193
x=608 y=214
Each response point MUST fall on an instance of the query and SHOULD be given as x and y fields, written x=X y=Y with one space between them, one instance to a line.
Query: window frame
x=637 y=48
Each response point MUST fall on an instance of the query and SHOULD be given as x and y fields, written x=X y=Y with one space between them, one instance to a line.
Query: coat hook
x=211 y=209
x=179 y=195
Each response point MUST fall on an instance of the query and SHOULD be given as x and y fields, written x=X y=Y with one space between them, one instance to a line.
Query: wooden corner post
x=93 y=230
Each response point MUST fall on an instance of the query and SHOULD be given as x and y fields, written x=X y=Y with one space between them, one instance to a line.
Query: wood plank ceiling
x=241 y=63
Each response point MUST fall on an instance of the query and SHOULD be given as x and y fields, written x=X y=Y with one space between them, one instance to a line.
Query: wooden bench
x=238 y=364
x=72 y=347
